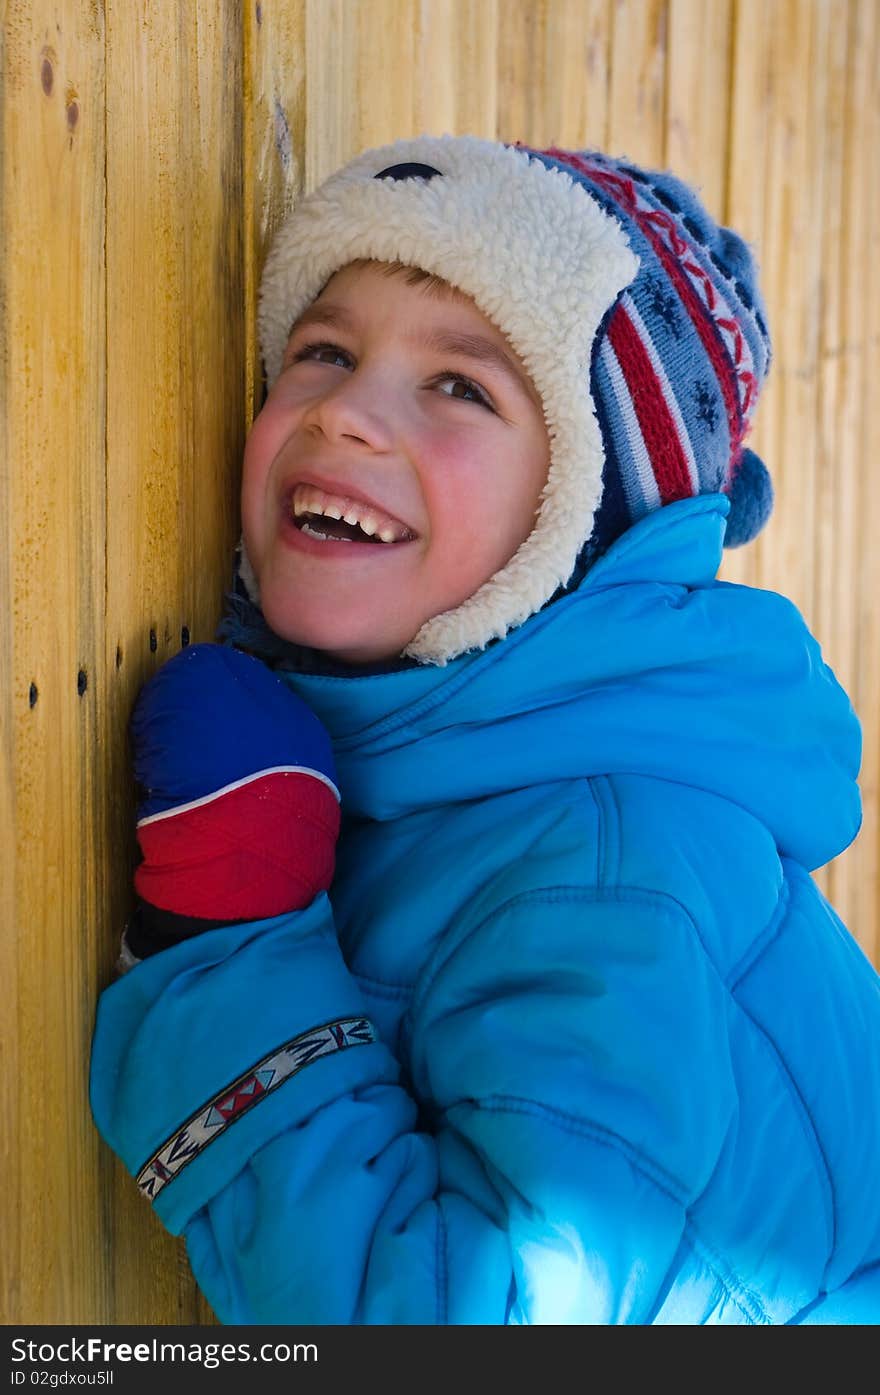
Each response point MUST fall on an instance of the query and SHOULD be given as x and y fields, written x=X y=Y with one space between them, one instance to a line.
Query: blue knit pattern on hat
x=679 y=360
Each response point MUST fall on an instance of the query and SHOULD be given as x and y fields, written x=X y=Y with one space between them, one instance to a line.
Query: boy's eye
x=481 y=397
x=311 y=351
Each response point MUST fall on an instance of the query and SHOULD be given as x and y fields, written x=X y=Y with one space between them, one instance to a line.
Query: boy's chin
x=339 y=641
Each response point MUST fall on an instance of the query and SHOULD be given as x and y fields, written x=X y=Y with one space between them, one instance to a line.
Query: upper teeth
x=309 y=499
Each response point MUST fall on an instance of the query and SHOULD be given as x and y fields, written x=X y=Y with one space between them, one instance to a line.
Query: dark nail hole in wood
x=33 y=695
x=184 y=636
x=118 y=656
x=82 y=681
x=72 y=115
x=154 y=643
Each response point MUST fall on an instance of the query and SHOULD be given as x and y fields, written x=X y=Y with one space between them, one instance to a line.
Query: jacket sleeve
x=545 y=1175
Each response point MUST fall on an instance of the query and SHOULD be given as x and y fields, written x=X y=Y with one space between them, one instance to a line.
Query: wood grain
x=176 y=385
x=52 y=501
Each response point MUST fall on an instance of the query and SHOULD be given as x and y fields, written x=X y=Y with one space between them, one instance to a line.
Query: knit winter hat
x=637 y=317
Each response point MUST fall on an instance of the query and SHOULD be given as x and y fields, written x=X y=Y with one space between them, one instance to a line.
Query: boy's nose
x=354 y=408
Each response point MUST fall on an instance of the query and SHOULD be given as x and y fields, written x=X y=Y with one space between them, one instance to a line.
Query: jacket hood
x=651 y=666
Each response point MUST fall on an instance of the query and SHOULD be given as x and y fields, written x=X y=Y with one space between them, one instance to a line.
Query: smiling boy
x=367 y=420
x=477 y=974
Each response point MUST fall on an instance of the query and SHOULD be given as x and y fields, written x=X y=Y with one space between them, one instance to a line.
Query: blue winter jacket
x=626 y=1065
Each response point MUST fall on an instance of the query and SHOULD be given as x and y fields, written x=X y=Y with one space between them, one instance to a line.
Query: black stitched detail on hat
x=707 y=410
x=742 y=292
x=664 y=305
x=744 y=295
x=698 y=235
x=638 y=175
x=666 y=199
x=409 y=170
x=695 y=231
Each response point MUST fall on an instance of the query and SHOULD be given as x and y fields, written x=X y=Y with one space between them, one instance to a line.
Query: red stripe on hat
x=668 y=460
x=256 y=851
x=622 y=190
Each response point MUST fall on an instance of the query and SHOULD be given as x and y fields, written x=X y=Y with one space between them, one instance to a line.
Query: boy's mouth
x=336 y=517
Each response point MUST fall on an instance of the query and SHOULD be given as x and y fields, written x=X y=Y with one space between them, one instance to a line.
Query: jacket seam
x=747 y=961
x=808 y=1123
x=824 y=1293
x=578 y=1125
x=555 y=895
x=747 y=1302
x=378 y=989
x=601 y=840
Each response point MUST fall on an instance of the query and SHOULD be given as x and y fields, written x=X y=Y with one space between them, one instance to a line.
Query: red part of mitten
x=255 y=850
x=240 y=811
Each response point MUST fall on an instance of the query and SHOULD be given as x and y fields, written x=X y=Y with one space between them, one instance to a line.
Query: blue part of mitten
x=212 y=716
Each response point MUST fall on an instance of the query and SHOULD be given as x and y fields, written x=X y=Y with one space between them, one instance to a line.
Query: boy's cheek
x=254 y=460
x=473 y=544
x=256 y=479
x=254 y=523
x=264 y=440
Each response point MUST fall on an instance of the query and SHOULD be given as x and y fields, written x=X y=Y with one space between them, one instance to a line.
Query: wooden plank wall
x=147 y=153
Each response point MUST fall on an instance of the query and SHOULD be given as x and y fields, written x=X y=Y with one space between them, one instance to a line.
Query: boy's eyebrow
x=447 y=341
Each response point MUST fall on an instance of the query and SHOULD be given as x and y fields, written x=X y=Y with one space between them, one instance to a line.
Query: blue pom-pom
x=751 y=500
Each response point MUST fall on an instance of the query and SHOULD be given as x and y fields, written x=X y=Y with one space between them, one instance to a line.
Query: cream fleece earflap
x=541 y=260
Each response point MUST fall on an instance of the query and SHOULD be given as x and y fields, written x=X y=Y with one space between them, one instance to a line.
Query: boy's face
x=382 y=419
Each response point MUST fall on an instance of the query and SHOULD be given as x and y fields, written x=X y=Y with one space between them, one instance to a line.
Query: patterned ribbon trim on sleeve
x=236 y=1099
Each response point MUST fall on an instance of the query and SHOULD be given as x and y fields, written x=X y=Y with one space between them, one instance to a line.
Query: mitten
x=239 y=809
